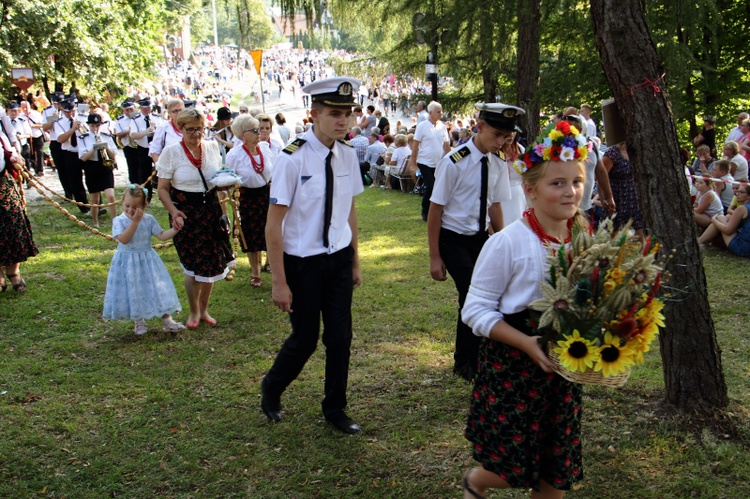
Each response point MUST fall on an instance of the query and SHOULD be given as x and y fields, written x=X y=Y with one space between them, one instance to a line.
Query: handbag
x=221 y=228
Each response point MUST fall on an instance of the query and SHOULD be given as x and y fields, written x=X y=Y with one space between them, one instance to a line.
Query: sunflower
x=614 y=357
x=576 y=353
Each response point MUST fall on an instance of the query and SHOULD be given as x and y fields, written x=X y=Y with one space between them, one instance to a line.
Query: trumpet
x=82 y=127
x=107 y=161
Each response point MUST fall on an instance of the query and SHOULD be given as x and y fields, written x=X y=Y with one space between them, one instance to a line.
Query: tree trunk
x=528 y=65
x=489 y=70
x=690 y=353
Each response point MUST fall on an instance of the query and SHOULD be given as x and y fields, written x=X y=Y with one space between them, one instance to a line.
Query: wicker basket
x=589 y=377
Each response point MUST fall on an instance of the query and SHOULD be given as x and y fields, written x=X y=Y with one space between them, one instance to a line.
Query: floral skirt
x=16 y=239
x=203 y=255
x=254 y=210
x=525 y=424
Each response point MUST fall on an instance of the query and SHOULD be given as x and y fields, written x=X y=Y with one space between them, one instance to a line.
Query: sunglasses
x=253 y=130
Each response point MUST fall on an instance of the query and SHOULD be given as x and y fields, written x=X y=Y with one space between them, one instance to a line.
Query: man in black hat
x=21 y=130
x=70 y=167
x=122 y=136
x=311 y=235
x=470 y=183
x=50 y=115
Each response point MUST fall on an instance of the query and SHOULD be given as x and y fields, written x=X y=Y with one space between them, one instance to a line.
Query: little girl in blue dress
x=139 y=286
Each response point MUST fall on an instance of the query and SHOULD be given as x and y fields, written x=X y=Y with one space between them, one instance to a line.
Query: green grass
x=89 y=410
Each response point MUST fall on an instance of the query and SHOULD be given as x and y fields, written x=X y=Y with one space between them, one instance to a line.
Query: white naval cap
x=498 y=115
x=336 y=92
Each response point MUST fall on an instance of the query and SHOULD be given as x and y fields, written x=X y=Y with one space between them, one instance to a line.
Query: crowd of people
x=492 y=210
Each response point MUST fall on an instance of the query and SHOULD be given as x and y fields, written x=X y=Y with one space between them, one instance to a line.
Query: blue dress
x=139 y=285
x=740 y=244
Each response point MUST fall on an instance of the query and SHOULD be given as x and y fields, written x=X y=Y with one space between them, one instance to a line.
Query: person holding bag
x=185 y=189
x=253 y=162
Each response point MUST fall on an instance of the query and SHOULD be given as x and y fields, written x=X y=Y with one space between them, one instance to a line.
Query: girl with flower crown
x=525 y=421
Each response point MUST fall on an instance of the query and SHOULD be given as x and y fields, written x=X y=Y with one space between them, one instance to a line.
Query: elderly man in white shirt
x=430 y=144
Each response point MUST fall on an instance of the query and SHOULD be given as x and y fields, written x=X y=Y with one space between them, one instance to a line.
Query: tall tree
x=690 y=353
x=529 y=16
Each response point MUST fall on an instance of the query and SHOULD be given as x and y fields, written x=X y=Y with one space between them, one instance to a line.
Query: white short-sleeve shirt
x=86 y=143
x=458 y=186
x=431 y=139
x=174 y=165
x=299 y=183
x=239 y=161
x=165 y=135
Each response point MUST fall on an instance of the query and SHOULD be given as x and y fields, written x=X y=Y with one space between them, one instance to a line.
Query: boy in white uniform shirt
x=311 y=235
x=70 y=168
x=470 y=183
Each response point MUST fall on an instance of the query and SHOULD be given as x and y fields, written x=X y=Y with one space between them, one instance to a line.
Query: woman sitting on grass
x=733 y=228
x=707 y=203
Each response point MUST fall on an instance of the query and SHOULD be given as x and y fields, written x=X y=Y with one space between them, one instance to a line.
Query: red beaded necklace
x=258 y=167
x=176 y=130
x=537 y=228
x=195 y=161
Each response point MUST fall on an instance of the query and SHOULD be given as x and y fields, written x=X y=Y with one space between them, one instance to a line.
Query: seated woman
x=737 y=162
x=707 y=203
x=398 y=162
x=734 y=229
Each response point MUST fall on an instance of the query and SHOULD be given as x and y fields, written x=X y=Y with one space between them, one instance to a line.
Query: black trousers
x=320 y=285
x=57 y=157
x=460 y=254
x=130 y=159
x=428 y=179
x=37 y=155
x=144 y=166
x=70 y=171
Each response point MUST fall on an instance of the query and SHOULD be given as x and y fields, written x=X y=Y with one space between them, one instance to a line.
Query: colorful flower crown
x=561 y=142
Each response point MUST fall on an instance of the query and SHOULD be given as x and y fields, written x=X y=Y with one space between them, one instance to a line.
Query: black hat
x=68 y=104
x=189 y=103
x=57 y=96
x=13 y=105
x=223 y=113
x=500 y=116
x=94 y=119
x=145 y=102
x=335 y=92
x=128 y=103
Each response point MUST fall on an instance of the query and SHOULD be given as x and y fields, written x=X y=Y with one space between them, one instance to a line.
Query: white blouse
x=239 y=161
x=174 y=165
x=506 y=277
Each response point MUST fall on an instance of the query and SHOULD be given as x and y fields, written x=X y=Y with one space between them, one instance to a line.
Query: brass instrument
x=107 y=161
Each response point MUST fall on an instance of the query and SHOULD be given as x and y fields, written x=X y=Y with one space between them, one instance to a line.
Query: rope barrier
x=233 y=198
x=737 y=182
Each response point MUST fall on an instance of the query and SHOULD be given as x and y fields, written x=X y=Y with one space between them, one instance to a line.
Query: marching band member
x=70 y=167
x=35 y=121
x=167 y=133
x=121 y=129
x=21 y=130
x=96 y=150
x=221 y=132
x=50 y=115
x=142 y=130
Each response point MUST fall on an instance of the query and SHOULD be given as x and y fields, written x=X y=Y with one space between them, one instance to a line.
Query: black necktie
x=148 y=124
x=329 y=199
x=483 y=197
x=73 y=138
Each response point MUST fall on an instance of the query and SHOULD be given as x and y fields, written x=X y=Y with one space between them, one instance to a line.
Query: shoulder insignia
x=346 y=142
x=296 y=144
x=499 y=154
x=121 y=117
x=460 y=154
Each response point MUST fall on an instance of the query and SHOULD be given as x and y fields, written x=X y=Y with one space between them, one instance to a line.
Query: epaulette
x=460 y=154
x=499 y=154
x=84 y=135
x=346 y=142
x=294 y=145
x=122 y=116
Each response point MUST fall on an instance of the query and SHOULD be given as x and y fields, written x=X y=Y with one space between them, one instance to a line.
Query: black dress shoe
x=270 y=405
x=344 y=424
x=102 y=211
